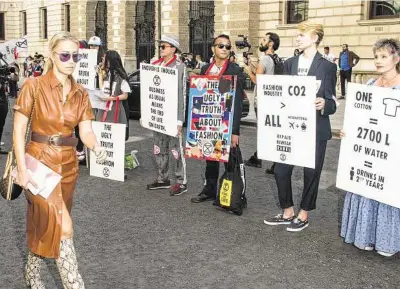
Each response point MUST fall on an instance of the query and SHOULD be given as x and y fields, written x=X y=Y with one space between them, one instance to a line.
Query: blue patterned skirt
x=369 y=223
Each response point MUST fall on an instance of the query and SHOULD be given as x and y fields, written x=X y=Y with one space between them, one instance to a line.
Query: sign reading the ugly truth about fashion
x=369 y=161
x=159 y=98
x=111 y=136
x=286 y=119
x=85 y=70
x=210 y=117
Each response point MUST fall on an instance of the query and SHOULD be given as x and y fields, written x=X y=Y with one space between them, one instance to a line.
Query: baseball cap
x=95 y=40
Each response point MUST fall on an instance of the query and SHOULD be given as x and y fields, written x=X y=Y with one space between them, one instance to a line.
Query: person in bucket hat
x=163 y=144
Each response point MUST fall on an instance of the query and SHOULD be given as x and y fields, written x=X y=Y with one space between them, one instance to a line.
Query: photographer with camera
x=271 y=64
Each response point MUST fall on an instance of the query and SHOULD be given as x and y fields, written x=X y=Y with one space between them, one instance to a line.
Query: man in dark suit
x=222 y=66
x=310 y=63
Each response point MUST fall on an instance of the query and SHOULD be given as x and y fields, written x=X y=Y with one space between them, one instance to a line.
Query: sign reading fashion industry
x=210 y=116
x=369 y=161
x=85 y=70
x=111 y=136
x=159 y=98
x=286 y=119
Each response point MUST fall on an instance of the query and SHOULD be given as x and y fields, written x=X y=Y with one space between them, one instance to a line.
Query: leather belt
x=54 y=140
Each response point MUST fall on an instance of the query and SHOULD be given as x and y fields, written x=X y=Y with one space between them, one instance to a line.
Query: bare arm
x=87 y=135
x=259 y=70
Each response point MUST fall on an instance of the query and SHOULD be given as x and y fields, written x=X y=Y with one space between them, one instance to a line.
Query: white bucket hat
x=95 y=40
x=173 y=40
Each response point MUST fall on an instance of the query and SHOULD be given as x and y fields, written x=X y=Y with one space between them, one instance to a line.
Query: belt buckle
x=53 y=140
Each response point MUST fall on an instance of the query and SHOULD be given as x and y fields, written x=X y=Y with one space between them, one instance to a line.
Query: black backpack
x=278 y=62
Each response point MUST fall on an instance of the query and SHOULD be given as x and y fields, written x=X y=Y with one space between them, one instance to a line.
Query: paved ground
x=127 y=237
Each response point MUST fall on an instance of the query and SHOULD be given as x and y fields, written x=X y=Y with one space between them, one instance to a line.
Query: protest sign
x=111 y=136
x=11 y=48
x=286 y=123
x=85 y=70
x=159 y=98
x=210 y=117
x=369 y=161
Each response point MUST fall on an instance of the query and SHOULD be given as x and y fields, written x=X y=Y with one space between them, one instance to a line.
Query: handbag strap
x=28 y=128
x=103 y=119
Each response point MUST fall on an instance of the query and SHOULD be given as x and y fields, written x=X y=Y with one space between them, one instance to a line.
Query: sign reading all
x=286 y=119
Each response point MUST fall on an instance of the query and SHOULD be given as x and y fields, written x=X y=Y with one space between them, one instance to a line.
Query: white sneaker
x=369 y=248
x=385 y=254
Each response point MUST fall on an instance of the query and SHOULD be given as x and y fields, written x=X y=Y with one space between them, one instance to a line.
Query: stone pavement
x=336 y=119
x=127 y=237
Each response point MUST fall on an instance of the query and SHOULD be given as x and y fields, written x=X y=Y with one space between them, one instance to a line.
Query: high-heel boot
x=68 y=266
x=32 y=272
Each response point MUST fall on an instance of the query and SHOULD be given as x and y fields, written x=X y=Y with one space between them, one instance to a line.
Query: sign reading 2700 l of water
x=210 y=117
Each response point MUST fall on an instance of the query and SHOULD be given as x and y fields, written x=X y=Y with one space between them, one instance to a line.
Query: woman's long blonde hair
x=53 y=42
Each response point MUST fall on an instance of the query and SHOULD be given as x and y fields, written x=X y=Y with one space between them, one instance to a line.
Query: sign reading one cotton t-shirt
x=111 y=136
x=286 y=122
x=85 y=70
x=159 y=98
x=210 y=117
x=369 y=160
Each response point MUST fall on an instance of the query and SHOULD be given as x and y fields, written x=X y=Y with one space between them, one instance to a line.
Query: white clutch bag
x=43 y=176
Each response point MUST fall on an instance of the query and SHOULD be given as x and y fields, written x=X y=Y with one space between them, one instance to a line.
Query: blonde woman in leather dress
x=60 y=105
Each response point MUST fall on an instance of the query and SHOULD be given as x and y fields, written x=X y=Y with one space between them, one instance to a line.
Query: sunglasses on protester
x=221 y=46
x=65 y=56
x=164 y=46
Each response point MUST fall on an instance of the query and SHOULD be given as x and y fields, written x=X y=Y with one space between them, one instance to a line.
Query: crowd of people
x=367 y=224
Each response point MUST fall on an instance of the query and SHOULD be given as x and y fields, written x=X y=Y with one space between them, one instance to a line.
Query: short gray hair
x=391 y=45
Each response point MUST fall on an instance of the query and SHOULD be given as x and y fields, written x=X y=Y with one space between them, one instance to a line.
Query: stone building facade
x=131 y=27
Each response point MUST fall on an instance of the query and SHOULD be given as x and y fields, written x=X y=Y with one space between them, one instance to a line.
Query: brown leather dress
x=52 y=116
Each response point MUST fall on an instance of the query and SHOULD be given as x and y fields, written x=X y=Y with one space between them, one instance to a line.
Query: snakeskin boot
x=32 y=272
x=68 y=266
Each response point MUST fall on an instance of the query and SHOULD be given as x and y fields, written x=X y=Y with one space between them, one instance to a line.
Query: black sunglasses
x=164 y=46
x=221 y=46
x=65 y=56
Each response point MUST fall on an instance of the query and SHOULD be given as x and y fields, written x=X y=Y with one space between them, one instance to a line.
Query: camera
x=242 y=44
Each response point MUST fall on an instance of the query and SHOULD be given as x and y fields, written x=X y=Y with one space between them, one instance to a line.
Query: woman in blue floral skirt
x=369 y=224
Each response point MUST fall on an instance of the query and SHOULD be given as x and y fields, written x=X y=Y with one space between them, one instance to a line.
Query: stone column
x=237 y=18
x=79 y=13
x=175 y=20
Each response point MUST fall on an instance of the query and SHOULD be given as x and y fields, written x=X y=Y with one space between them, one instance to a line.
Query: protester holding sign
x=53 y=104
x=115 y=88
x=367 y=223
x=310 y=63
x=222 y=66
x=169 y=47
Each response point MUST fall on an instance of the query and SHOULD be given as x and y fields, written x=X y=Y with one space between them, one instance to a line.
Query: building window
x=43 y=22
x=24 y=27
x=67 y=17
x=101 y=22
x=201 y=28
x=384 y=9
x=2 y=27
x=297 y=11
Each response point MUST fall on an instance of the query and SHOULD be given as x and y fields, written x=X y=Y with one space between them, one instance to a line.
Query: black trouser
x=344 y=75
x=13 y=88
x=3 y=115
x=283 y=177
x=79 y=146
x=212 y=175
